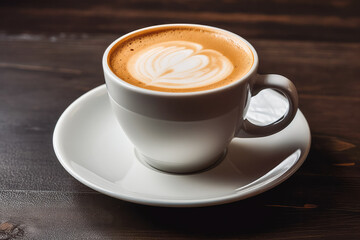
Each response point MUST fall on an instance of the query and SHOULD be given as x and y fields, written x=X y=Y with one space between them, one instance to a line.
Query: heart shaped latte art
x=179 y=64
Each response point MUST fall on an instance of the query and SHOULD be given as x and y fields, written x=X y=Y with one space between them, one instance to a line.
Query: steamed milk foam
x=180 y=59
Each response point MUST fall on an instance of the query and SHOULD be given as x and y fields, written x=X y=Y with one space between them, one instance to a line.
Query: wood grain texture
x=306 y=20
x=50 y=54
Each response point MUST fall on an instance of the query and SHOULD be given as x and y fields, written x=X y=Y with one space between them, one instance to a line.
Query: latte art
x=179 y=64
x=179 y=59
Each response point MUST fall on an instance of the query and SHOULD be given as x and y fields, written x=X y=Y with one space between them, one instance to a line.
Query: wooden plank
x=296 y=7
x=315 y=67
x=337 y=21
x=279 y=214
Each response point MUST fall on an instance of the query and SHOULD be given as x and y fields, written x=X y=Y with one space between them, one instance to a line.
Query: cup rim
x=140 y=90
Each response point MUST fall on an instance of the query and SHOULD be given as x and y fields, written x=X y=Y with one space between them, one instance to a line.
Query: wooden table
x=50 y=54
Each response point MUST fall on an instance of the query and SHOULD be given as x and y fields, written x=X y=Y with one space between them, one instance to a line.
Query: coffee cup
x=180 y=93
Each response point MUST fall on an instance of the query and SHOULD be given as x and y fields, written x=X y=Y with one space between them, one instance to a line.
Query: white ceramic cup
x=188 y=132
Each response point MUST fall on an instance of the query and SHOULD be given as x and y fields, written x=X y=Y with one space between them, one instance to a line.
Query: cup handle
x=284 y=86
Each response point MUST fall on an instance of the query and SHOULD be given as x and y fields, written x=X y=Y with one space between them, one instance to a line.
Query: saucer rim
x=146 y=200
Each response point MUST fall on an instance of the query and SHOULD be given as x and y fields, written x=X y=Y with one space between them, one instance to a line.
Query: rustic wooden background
x=50 y=54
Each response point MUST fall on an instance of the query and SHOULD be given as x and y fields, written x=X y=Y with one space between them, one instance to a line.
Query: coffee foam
x=180 y=59
x=179 y=65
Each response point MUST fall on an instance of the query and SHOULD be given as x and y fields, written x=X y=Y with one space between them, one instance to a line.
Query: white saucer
x=92 y=147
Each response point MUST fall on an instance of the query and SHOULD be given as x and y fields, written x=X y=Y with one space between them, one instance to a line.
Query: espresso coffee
x=180 y=59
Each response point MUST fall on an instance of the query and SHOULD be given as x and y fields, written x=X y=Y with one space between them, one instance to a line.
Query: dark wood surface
x=50 y=54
